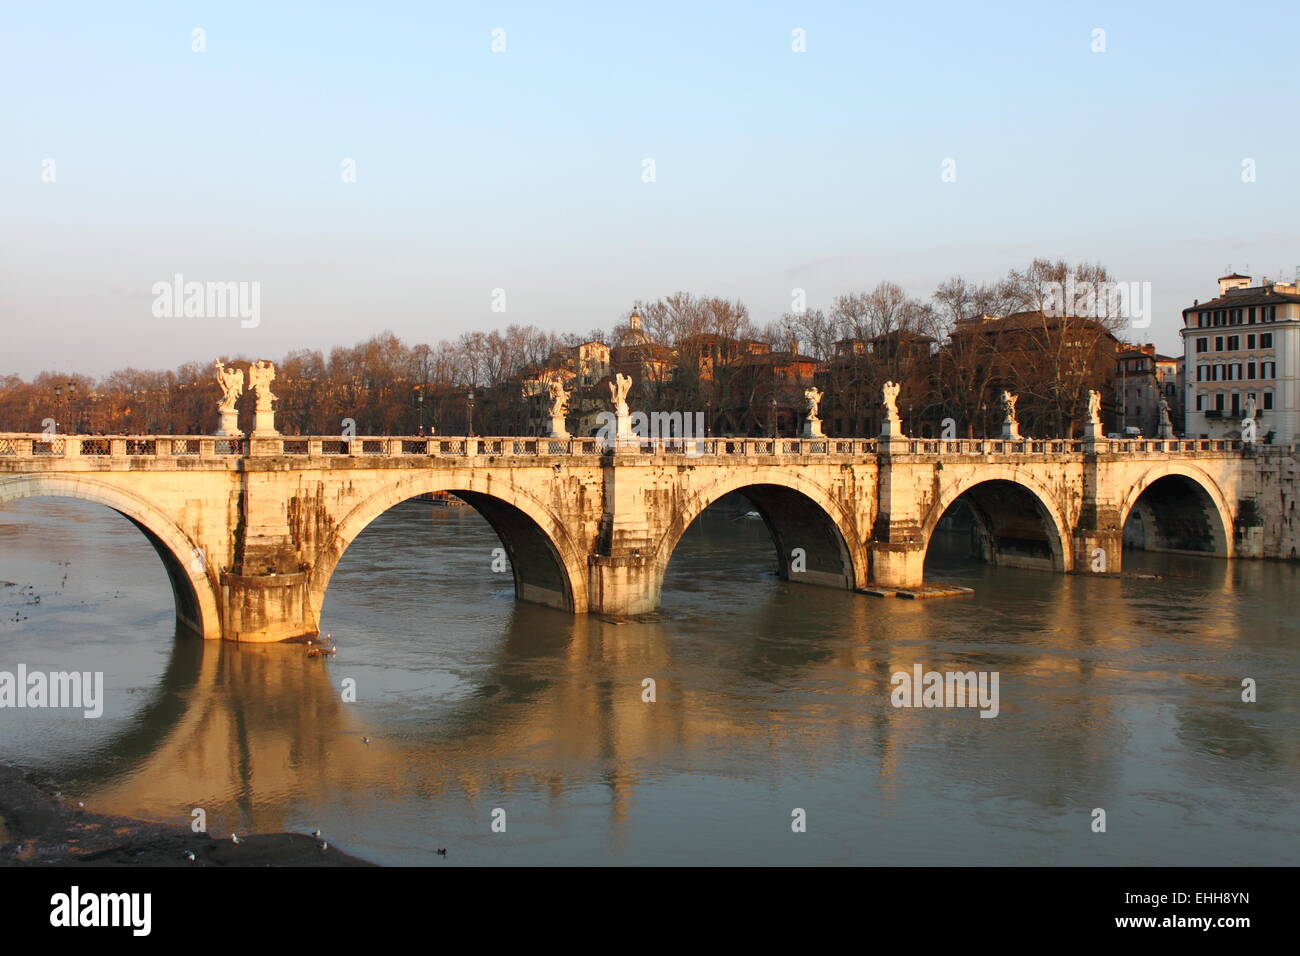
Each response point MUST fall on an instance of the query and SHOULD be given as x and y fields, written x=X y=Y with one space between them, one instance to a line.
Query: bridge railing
x=119 y=446
x=1061 y=446
x=38 y=446
x=438 y=446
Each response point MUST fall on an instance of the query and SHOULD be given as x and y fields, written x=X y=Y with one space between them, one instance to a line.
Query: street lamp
x=708 y=419
x=772 y=417
x=419 y=401
x=469 y=419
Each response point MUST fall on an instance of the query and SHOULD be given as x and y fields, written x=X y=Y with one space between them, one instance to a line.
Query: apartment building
x=1243 y=344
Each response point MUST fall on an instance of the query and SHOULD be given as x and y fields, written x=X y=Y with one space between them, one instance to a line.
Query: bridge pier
x=897 y=565
x=1098 y=552
x=898 y=540
x=1098 y=537
x=265 y=608
x=624 y=584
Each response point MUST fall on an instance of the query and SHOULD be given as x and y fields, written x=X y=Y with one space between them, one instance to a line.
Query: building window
x=1250 y=341
x=1218 y=401
x=1202 y=345
x=1266 y=340
x=1199 y=402
x=1234 y=343
x=1250 y=370
x=1252 y=315
x=1268 y=399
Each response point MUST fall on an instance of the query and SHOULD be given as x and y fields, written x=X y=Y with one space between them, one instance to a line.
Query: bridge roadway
x=251 y=529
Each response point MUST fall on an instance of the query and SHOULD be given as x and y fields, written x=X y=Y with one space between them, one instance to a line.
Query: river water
x=1118 y=694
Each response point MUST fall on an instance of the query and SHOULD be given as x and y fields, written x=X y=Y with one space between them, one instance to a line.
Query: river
x=1116 y=693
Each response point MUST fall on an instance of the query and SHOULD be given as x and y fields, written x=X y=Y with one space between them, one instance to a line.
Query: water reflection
x=1119 y=693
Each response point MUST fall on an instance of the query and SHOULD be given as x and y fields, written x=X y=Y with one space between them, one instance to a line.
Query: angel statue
x=618 y=394
x=1009 y=405
x=1094 y=407
x=890 y=391
x=1165 y=420
x=260 y=376
x=559 y=398
x=231 y=381
x=814 y=397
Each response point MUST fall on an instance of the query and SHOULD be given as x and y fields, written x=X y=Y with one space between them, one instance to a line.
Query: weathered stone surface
x=250 y=540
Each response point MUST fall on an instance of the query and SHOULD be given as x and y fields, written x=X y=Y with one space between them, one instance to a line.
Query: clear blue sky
x=523 y=170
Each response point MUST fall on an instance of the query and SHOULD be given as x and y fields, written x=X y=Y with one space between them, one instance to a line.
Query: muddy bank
x=38 y=829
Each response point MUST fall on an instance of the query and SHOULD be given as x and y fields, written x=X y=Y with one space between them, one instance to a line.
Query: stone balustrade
x=36 y=445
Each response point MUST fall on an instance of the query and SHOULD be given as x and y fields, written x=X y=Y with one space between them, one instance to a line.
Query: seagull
x=234 y=838
x=324 y=846
x=442 y=851
x=316 y=833
x=189 y=855
x=80 y=805
x=365 y=740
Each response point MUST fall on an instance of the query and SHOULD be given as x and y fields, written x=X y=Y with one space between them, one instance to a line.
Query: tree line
x=389 y=387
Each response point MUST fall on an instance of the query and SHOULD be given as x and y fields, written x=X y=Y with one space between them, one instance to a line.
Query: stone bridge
x=251 y=529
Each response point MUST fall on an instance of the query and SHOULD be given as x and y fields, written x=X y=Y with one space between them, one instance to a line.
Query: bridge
x=250 y=530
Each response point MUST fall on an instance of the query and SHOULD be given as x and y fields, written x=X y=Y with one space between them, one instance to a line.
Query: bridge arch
x=1019 y=521
x=798 y=512
x=193 y=582
x=1179 y=508
x=549 y=568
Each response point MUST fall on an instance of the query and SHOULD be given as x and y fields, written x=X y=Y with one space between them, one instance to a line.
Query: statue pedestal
x=1011 y=431
x=812 y=428
x=558 y=429
x=229 y=425
x=264 y=424
x=892 y=441
x=624 y=440
x=1165 y=431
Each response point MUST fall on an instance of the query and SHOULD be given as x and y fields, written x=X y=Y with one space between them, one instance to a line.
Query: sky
x=560 y=161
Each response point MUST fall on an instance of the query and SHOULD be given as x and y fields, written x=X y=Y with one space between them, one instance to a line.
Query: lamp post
x=772 y=415
x=419 y=401
x=708 y=419
x=469 y=414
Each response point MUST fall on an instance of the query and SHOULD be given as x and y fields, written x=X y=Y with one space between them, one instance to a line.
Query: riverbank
x=40 y=829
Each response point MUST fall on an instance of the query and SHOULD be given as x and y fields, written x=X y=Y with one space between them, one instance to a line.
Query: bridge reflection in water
x=769 y=697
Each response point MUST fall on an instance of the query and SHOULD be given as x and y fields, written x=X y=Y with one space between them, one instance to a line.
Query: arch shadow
x=547 y=566
x=1179 y=509
x=1015 y=522
x=815 y=541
